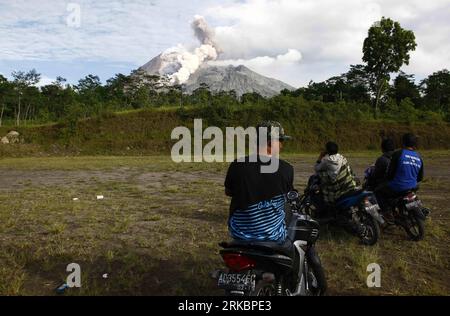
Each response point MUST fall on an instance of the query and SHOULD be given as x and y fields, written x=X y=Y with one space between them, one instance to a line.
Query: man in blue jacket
x=404 y=173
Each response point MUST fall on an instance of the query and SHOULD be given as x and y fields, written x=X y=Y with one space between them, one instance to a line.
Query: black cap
x=271 y=125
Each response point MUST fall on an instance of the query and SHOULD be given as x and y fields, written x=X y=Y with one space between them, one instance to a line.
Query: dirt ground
x=156 y=232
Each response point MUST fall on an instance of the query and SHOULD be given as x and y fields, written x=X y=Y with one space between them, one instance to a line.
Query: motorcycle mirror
x=293 y=195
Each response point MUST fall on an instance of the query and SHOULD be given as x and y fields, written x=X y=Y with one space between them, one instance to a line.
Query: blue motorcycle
x=357 y=211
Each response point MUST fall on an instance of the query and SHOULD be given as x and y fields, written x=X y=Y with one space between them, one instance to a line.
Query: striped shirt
x=264 y=221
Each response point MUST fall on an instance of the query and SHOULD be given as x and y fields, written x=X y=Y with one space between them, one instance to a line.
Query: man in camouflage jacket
x=336 y=175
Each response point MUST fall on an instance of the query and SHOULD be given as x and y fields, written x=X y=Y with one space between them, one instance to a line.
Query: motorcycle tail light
x=238 y=262
x=410 y=197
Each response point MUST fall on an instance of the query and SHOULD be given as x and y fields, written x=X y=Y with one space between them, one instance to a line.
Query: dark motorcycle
x=357 y=212
x=406 y=211
x=272 y=269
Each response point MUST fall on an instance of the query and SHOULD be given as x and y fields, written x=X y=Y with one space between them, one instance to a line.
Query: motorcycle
x=272 y=269
x=357 y=212
x=407 y=211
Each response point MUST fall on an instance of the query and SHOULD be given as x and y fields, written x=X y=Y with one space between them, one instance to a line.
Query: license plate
x=237 y=281
x=411 y=205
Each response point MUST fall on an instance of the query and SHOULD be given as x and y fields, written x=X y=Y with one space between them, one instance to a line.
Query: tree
x=386 y=50
x=436 y=89
x=172 y=96
x=58 y=97
x=5 y=94
x=116 y=87
x=22 y=82
x=406 y=111
x=358 y=84
x=60 y=82
x=144 y=87
x=350 y=86
x=32 y=98
x=404 y=87
x=255 y=98
x=202 y=95
x=88 y=84
x=315 y=91
x=91 y=94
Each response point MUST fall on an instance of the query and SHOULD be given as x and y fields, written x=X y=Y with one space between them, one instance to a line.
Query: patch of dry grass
x=156 y=230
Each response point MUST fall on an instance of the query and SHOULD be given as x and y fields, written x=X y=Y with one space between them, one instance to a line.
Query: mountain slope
x=240 y=79
x=220 y=78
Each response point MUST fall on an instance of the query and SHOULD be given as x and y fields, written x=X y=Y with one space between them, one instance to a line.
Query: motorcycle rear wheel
x=316 y=273
x=414 y=227
x=264 y=288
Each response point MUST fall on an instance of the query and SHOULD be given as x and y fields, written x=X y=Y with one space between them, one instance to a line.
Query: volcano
x=221 y=78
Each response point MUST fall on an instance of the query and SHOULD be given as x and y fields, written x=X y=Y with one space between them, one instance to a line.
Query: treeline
x=148 y=131
x=22 y=102
x=402 y=100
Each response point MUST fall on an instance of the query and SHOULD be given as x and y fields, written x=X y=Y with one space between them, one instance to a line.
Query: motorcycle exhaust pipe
x=215 y=274
x=268 y=277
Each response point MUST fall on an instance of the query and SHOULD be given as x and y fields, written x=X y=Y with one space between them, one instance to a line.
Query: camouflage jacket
x=336 y=177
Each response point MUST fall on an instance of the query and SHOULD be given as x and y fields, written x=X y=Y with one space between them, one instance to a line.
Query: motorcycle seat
x=403 y=193
x=286 y=248
x=400 y=195
x=349 y=194
x=351 y=198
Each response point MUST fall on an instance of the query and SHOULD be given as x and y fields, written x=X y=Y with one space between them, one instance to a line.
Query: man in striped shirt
x=257 y=211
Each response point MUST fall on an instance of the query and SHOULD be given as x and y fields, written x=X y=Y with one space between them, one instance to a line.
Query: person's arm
x=381 y=167
x=229 y=180
x=420 y=175
x=291 y=178
x=392 y=169
x=320 y=163
x=290 y=187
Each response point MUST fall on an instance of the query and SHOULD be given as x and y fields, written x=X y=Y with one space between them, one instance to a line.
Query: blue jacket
x=405 y=170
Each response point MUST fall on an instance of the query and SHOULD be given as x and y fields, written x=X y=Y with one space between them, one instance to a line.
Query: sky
x=291 y=40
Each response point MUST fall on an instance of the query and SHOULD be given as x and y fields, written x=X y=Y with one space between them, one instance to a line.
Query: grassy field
x=157 y=229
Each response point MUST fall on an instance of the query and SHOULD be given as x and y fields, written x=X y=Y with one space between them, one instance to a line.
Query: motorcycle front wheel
x=372 y=230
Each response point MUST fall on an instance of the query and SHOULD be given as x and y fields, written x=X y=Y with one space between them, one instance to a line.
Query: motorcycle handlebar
x=295 y=202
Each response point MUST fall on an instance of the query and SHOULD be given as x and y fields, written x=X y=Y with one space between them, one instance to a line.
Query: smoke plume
x=203 y=32
x=179 y=63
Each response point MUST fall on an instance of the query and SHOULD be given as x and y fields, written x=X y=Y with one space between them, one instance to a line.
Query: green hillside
x=148 y=131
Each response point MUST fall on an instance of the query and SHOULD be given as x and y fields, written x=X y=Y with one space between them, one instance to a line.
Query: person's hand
x=322 y=154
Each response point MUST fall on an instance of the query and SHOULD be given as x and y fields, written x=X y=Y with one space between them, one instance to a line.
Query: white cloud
x=113 y=30
x=266 y=65
x=45 y=81
x=329 y=34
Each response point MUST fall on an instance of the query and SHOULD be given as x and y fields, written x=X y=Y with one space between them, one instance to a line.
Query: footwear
x=426 y=211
